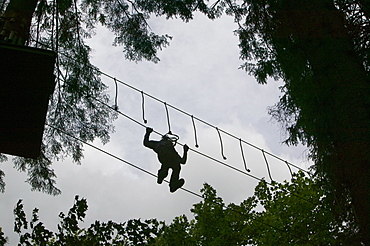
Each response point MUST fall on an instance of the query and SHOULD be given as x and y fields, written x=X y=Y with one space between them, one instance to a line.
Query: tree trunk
x=316 y=28
x=16 y=21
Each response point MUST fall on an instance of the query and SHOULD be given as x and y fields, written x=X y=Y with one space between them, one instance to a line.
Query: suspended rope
x=195 y=132
x=222 y=146
x=117 y=158
x=168 y=118
x=182 y=188
x=202 y=121
x=116 y=97
x=267 y=164
x=290 y=170
x=198 y=152
x=241 y=150
x=143 y=107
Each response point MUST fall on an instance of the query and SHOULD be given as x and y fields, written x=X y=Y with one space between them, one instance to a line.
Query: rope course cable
x=244 y=161
x=267 y=164
x=290 y=170
x=116 y=96
x=205 y=155
x=198 y=152
x=143 y=107
x=204 y=122
x=222 y=146
x=195 y=132
x=193 y=117
x=182 y=188
x=118 y=158
x=168 y=118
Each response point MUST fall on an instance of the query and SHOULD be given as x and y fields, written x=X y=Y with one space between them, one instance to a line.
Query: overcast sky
x=199 y=74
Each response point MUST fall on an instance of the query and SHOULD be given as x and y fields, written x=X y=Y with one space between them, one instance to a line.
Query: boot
x=178 y=184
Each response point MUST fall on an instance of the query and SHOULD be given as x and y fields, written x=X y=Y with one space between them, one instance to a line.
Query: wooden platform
x=26 y=83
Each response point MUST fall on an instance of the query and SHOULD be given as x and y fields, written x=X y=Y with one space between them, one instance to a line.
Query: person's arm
x=185 y=155
x=147 y=143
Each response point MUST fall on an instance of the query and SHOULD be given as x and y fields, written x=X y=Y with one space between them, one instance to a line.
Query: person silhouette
x=168 y=157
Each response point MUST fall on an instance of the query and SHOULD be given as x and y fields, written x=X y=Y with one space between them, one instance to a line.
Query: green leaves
x=75 y=105
x=133 y=233
x=299 y=212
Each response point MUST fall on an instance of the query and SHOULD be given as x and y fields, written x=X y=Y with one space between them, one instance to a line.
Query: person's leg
x=162 y=174
x=175 y=182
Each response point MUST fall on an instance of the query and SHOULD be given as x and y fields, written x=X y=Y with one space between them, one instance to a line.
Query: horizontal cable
x=202 y=121
x=117 y=158
x=185 y=113
x=207 y=156
x=182 y=188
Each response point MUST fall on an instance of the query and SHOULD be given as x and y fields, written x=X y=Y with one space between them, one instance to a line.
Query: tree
x=299 y=212
x=133 y=232
x=63 y=25
x=76 y=105
x=319 y=48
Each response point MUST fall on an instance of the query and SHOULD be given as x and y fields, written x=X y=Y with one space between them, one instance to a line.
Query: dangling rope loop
x=116 y=97
x=290 y=170
x=241 y=150
x=195 y=132
x=168 y=119
x=267 y=164
x=222 y=147
x=143 y=107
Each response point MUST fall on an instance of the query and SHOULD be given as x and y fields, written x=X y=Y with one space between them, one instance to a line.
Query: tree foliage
x=133 y=232
x=320 y=48
x=76 y=105
x=290 y=213
x=299 y=212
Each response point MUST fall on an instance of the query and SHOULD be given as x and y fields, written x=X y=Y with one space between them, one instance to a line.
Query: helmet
x=171 y=138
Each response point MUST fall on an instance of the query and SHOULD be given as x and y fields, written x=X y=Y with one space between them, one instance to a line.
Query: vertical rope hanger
x=290 y=170
x=143 y=107
x=195 y=132
x=222 y=147
x=116 y=97
x=241 y=150
x=267 y=164
x=168 y=118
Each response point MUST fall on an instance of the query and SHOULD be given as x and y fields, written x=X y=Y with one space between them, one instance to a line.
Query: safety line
x=200 y=120
x=267 y=164
x=290 y=170
x=183 y=112
x=168 y=118
x=116 y=97
x=143 y=107
x=244 y=161
x=194 y=150
x=118 y=158
x=182 y=188
x=195 y=132
x=222 y=146
x=205 y=155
